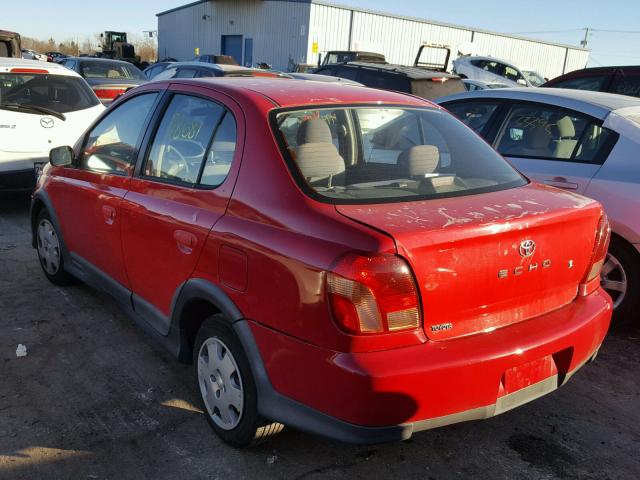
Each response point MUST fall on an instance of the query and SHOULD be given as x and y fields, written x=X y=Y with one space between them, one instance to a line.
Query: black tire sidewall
x=243 y=434
x=628 y=312
x=61 y=277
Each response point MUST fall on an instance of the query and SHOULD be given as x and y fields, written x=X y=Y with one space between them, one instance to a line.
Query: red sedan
x=351 y=262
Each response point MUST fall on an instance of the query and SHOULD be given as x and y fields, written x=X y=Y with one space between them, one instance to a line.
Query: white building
x=287 y=32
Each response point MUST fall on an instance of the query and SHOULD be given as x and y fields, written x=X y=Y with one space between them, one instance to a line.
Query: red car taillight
x=109 y=93
x=373 y=294
x=591 y=280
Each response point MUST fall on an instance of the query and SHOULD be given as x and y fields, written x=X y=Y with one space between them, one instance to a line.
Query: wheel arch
x=196 y=300
x=42 y=201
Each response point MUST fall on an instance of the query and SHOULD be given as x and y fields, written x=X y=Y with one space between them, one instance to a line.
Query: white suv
x=42 y=106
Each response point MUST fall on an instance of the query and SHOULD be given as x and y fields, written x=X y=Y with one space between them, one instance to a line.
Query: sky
x=561 y=21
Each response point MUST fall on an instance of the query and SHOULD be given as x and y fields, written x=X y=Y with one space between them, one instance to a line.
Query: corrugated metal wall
x=286 y=31
x=279 y=29
x=399 y=38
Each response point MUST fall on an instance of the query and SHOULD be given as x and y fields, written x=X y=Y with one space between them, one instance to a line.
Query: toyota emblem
x=46 y=122
x=527 y=247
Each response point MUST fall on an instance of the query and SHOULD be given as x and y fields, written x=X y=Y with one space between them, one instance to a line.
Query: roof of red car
x=289 y=92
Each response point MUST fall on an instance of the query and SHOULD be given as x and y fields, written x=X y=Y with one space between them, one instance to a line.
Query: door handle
x=108 y=214
x=186 y=241
x=561 y=182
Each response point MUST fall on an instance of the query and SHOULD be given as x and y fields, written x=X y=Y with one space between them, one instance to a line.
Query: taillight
x=29 y=70
x=373 y=294
x=439 y=79
x=590 y=281
x=108 y=93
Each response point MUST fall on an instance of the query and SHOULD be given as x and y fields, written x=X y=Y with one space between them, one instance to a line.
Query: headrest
x=537 y=137
x=319 y=160
x=314 y=131
x=566 y=129
x=419 y=160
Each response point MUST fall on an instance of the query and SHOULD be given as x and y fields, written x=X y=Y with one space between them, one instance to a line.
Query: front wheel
x=49 y=248
x=620 y=277
x=227 y=389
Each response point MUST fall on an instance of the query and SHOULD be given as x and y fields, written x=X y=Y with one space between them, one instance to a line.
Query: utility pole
x=586 y=37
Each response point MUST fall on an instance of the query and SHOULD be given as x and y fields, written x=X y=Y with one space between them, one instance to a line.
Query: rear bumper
x=387 y=395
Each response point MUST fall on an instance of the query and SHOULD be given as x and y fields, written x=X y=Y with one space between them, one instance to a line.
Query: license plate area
x=523 y=376
x=38 y=167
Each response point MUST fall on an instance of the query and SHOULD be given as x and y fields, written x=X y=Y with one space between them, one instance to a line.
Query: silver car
x=581 y=141
x=490 y=70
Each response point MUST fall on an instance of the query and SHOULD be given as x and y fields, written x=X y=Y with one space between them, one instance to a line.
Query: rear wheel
x=49 y=248
x=621 y=279
x=227 y=389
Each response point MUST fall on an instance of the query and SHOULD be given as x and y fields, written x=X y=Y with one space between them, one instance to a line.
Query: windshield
x=534 y=78
x=58 y=93
x=111 y=70
x=372 y=154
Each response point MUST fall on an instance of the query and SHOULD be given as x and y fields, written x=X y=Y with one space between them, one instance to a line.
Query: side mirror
x=61 y=156
x=522 y=82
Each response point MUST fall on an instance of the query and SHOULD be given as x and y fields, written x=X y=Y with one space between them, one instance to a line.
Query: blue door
x=248 y=52
x=232 y=45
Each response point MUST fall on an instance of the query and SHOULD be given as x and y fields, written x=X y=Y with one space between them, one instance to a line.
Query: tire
x=49 y=247
x=226 y=386
x=621 y=279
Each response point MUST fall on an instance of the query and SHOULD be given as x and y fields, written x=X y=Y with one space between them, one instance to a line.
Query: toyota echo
x=347 y=261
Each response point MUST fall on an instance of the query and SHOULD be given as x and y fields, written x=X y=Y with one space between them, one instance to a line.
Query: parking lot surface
x=96 y=398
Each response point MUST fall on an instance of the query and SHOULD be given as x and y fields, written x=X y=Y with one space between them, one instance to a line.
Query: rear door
x=182 y=189
x=553 y=145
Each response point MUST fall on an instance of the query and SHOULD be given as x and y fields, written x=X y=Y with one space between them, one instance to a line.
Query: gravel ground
x=95 y=398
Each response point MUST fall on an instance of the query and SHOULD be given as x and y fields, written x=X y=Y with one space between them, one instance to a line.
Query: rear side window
x=536 y=131
x=595 y=83
x=373 y=155
x=112 y=70
x=474 y=115
x=112 y=144
x=194 y=143
x=186 y=73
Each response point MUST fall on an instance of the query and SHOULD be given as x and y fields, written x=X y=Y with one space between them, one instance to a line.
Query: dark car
x=152 y=70
x=417 y=81
x=621 y=80
x=108 y=78
x=204 y=70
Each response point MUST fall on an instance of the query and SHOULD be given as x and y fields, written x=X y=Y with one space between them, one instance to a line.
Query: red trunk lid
x=469 y=254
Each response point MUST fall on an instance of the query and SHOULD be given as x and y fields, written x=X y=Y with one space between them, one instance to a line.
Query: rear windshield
x=373 y=154
x=60 y=93
x=112 y=70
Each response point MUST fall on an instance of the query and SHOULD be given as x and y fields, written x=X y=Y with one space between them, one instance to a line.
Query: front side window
x=512 y=74
x=194 y=144
x=374 y=154
x=112 y=144
x=474 y=115
x=547 y=132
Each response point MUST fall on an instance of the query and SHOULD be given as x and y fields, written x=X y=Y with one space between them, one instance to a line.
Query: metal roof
x=413 y=73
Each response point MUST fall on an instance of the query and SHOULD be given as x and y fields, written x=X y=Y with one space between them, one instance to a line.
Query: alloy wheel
x=614 y=279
